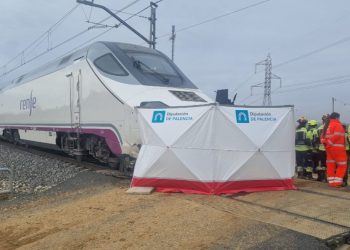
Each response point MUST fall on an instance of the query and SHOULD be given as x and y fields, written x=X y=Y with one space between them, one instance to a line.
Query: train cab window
x=150 y=64
x=108 y=64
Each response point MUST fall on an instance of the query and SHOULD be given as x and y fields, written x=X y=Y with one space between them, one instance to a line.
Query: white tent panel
x=219 y=134
x=283 y=162
x=147 y=157
x=202 y=164
x=149 y=135
x=278 y=141
x=169 y=166
x=256 y=123
x=213 y=149
x=256 y=168
x=193 y=136
x=229 y=162
x=164 y=121
x=212 y=165
x=228 y=136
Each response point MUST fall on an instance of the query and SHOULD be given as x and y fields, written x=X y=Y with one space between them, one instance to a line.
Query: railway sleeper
x=338 y=240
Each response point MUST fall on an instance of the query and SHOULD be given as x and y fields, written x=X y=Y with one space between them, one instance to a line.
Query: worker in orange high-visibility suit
x=334 y=140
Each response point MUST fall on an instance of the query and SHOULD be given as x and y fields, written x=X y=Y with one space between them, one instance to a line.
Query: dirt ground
x=93 y=211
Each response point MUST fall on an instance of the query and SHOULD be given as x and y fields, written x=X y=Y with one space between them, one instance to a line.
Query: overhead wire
x=83 y=10
x=214 y=18
x=305 y=55
x=83 y=32
x=300 y=58
x=344 y=103
x=130 y=14
x=297 y=58
x=333 y=79
x=52 y=28
x=320 y=84
x=90 y=12
x=67 y=40
x=122 y=9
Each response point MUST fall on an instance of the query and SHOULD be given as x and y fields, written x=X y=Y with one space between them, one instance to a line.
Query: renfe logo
x=28 y=104
x=158 y=116
x=242 y=116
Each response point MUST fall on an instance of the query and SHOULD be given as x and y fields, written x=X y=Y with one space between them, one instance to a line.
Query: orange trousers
x=336 y=167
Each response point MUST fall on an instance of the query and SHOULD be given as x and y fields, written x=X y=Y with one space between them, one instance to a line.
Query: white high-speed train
x=85 y=102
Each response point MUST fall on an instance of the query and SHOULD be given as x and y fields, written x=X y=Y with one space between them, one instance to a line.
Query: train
x=84 y=103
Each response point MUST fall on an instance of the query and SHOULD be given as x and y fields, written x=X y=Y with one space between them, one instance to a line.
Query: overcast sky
x=312 y=35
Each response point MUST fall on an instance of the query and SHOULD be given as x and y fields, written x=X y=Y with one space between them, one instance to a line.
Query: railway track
x=88 y=163
x=321 y=214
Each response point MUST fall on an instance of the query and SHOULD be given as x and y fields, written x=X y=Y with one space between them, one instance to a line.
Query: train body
x=84 y=103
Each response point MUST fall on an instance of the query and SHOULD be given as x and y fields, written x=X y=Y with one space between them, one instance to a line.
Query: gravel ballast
x=32 y=173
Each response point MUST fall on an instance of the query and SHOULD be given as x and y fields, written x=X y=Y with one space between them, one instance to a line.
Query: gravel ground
x=32 y=173
x=93 y=211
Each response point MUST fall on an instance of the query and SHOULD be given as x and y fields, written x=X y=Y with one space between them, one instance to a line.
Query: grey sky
x=219 y=54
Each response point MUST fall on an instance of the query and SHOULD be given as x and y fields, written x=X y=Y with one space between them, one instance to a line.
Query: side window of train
x=108 y=64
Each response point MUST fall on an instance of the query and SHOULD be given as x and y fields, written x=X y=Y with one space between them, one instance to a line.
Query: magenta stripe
x=109 y=135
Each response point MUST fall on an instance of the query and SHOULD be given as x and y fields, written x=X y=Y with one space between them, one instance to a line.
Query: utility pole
x=172 y=38
x=91 y=3
x=152 y=30
x=268 y=78
x=333 y=102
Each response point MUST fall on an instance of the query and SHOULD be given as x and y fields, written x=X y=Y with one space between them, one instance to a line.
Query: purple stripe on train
x=110 y=137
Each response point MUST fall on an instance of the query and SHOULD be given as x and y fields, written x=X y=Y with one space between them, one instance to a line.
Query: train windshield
x=154 y=66
x=148 y=67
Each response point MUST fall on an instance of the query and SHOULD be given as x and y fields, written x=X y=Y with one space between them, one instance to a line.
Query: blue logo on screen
x=158 y=116
x=242 y=116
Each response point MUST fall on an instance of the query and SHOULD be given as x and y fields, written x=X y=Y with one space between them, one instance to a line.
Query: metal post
x=267 y=86
x=152 y=19
x=333 y=102
x=172 y=38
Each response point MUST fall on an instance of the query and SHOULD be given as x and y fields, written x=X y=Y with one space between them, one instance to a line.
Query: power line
x=319 y=85
x=344 y=103
x=308 y=84
x=52 y=28
x=104 y=32
x=329 y=79
x=214 y=18
x=244 y=82
x=65 y=41
x=130 y=14
x=300 y=58
x=221 y=16
x=122 y=9
x=333 y=44
x=325 y=84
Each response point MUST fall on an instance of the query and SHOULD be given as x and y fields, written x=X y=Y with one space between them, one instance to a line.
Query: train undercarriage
x=80 y=146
